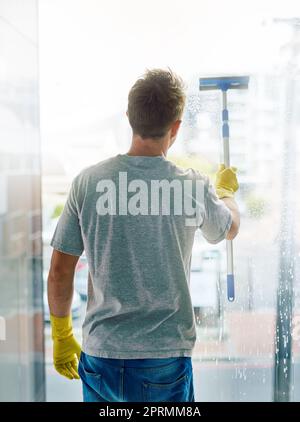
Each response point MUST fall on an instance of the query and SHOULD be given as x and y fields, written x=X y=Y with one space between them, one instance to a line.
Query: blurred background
x=65 y=71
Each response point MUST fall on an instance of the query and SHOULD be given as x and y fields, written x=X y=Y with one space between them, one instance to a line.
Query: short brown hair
x=155 y=101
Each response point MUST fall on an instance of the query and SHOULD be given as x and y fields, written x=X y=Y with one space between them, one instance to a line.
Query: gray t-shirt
x=138 y=247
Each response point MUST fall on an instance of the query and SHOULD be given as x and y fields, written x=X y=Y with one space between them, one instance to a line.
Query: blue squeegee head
x=224 y=83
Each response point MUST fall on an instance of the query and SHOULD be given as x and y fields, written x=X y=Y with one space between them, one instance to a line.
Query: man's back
x=138 y=247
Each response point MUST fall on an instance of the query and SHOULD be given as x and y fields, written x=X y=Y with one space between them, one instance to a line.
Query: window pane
x=21 y=319
x=243 y=350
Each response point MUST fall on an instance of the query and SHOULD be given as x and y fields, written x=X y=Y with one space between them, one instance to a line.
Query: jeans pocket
x=176 y=391
x=91 y=379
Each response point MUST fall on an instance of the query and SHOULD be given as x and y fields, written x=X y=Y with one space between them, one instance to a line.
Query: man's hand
x=226 y=182
x=226 y=185
x=66 y=350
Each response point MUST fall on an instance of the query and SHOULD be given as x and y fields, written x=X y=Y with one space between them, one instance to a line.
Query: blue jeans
x=136 y=380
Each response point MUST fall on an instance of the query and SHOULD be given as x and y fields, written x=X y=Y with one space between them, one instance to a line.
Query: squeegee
x=225 y=83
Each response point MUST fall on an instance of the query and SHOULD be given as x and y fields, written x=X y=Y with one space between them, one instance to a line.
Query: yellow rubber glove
x=226 y=183
x=66 y=350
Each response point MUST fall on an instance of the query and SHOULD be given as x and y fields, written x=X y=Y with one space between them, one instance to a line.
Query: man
x=127 y=214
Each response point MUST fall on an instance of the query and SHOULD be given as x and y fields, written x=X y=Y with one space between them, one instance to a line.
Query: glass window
x=248 y=349
x=21 y=317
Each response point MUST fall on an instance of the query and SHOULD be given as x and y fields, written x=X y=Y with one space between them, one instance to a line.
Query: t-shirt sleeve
x=217 y=217
x=67 y=237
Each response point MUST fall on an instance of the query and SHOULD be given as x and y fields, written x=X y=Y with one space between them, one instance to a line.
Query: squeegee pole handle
x=226 y=153
x=225 y=130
